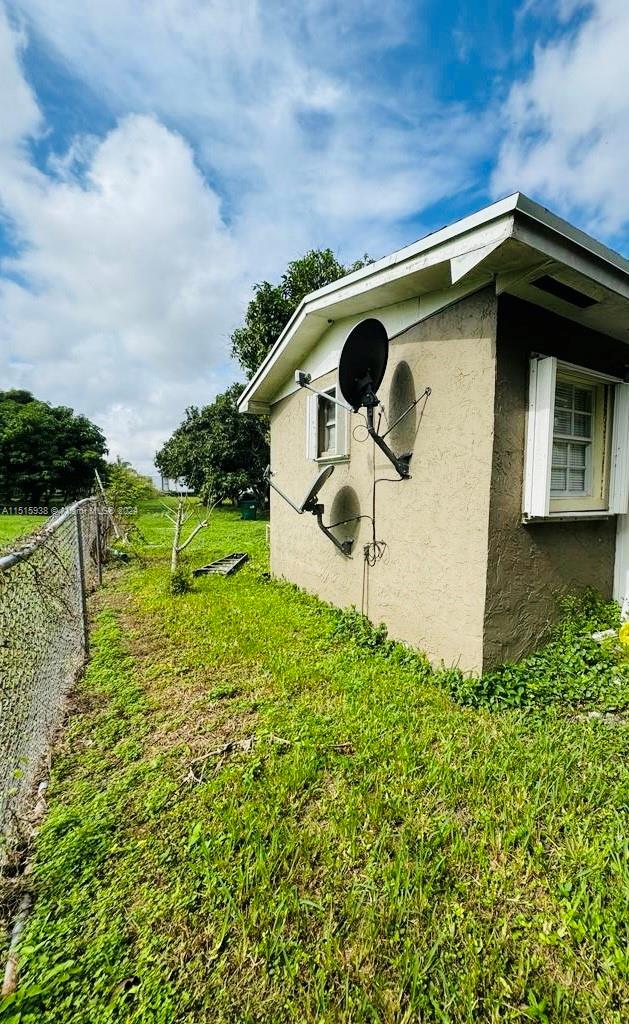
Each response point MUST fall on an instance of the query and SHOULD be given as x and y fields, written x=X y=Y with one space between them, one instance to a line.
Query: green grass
x=14 y=527
x=380 y=853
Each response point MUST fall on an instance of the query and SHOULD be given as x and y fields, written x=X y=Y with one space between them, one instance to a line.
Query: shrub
x=180 y=582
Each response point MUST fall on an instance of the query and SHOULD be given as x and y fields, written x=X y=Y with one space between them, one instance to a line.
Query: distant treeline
x=48 y=454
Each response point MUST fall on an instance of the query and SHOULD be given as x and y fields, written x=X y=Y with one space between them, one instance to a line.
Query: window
x=327 y=428
x=577 y=444
x=579 y=473
x=326 y=425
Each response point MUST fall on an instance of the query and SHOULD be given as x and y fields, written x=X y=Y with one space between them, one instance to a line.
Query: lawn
x=263 y=812
x=13 y=527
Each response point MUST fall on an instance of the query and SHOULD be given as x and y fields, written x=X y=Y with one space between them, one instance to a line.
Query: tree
x=218 y=451
x=272 y=306
x=126 y=487
x=46 y=450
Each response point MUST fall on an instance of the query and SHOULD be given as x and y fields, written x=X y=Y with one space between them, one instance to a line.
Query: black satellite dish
x=363 y=363
x=361 y=370
x=311 y=497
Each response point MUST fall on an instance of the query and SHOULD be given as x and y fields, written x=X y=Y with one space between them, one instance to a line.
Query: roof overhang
x=511 y=243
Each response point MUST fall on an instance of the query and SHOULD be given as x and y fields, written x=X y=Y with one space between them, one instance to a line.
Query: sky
x=158 y=157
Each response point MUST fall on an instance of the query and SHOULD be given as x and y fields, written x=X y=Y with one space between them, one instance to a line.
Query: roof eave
x=463 y=246
x=362 y=282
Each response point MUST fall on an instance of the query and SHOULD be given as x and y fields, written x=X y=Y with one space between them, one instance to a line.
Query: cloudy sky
x=159 y=156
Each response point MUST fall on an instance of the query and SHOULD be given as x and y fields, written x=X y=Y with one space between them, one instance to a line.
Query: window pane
x=560 y=453
x=576 y=481
x=563 y=421
x=558 y=479
x=572 y=471
x=326 y=424
x=583 y=400
x=577 y=456
x=563 y=395
x=582 y=424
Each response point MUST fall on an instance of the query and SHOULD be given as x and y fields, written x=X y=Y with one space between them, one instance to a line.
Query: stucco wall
x=430 y=586
x=530 y=566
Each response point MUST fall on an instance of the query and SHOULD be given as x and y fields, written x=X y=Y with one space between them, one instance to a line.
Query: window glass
x=326 y=425
x=572 y=440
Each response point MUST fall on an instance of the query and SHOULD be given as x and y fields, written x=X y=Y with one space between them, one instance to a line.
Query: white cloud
x=20 y=114
x=133 y=269
x=122 y=314
x=567 y=124
x=284 y=102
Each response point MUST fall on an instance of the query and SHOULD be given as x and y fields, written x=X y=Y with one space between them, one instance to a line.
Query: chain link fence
x=43 y=645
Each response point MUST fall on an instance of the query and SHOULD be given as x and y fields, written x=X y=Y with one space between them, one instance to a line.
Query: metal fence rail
x=43 y=645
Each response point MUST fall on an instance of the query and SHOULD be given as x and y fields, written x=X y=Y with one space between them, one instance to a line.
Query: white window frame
x=594 y=497
x=537 y=503
x=341 y=449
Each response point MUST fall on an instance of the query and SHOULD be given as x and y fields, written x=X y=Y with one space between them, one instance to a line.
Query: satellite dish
x=310 y=504
x=311 y=497
x=363 y=363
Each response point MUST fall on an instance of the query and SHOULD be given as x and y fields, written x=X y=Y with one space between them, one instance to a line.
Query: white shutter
x=342 y=431
x=539 y=436
x=619 y=477
x=312 y=425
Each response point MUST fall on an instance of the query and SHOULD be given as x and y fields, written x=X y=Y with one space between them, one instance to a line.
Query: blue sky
x=158 y=158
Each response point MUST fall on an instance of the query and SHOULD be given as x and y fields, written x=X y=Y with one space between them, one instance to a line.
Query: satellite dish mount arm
x=268 y=474
x=310 y=504
x=303 y=379
x=344 y=546
x=370 y=401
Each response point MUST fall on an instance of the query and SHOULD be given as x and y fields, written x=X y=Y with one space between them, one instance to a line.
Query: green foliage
x=273 y=305
x=46 y=450
x=571 y=669
x=349 y=626
x=180 y=582
x=15 y=528
x=218 y=451
x=126 y=488
x=378 y=854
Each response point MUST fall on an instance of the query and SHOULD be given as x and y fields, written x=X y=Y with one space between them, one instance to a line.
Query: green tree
x=272 y=305
x=46 y=450
x=218 y=451
x=126 y=487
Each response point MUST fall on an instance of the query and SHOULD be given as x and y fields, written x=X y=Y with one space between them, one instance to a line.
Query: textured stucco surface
x=530 y=566
x=430 y=587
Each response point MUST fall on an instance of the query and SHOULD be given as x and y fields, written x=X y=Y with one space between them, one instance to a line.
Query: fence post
x=99 y=553
x=79 y=541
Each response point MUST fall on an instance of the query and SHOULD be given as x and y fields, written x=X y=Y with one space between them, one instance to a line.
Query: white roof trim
x=461 y=245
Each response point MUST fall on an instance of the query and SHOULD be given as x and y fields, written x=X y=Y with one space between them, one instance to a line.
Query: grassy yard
x=261 y=813
x=17 y=526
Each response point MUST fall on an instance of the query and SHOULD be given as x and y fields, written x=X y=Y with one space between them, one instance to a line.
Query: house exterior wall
x=429 y=588
x=529 y=566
